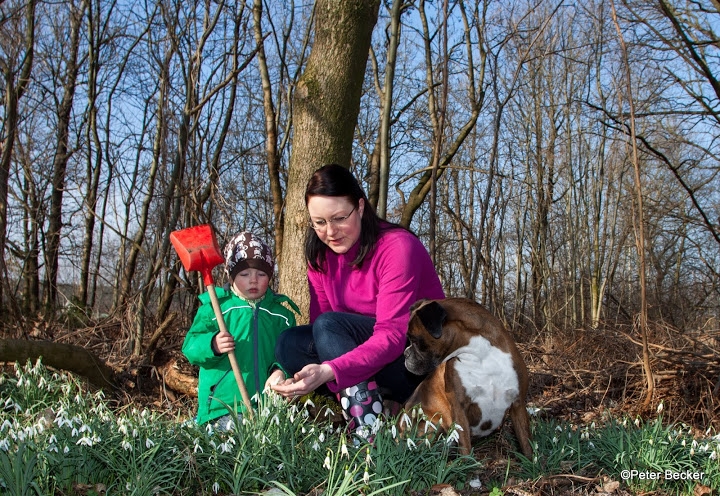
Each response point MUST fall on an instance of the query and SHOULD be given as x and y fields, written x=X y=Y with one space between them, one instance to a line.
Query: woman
x=364 y=274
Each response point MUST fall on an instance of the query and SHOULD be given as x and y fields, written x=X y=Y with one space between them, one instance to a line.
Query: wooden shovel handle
x=231 y=354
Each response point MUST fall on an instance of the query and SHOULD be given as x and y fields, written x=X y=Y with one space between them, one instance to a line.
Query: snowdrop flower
x=637 y=422
x=559 y=428
x=453 y=437
x=393 y=431
x=4 y=444
x=366 y=476
x=84 y=441
x=316 y=446
x=326 y=463
x=308 y=402
x=126 y=445
x=411 y=444
x=428 y=425
x=149 y=443
x=660 y=407
x=321 y=437
x=328 y=411
x=66 y=450
x=405 y=419
x=344 y=450
x=216 y=487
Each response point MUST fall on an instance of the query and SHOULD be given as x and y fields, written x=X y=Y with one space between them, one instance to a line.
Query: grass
x=57 y=438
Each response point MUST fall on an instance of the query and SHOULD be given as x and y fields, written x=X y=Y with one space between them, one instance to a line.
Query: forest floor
x=578 y=377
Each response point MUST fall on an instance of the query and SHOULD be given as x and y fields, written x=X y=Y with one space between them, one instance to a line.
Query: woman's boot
x=361 y=404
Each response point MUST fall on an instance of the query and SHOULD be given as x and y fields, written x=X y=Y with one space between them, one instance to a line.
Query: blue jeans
x=332 y=335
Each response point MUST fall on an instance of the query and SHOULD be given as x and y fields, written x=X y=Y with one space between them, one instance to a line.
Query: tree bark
x=326 y=107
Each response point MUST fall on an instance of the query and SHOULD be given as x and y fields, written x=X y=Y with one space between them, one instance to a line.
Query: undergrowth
x=58 y=438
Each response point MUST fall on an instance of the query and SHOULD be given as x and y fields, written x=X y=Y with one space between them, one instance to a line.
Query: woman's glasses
x=322 y=224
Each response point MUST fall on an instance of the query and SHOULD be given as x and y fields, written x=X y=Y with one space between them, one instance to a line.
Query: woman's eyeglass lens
x=321 y=225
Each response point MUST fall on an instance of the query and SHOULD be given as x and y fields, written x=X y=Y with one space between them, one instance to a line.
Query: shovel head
x=198 y=250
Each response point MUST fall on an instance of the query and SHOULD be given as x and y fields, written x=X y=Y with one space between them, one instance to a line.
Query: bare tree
x=71 y=62
x=640 y=218
x=18 y=40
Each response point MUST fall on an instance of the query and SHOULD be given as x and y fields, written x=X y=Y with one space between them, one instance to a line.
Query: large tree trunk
x=326 y=107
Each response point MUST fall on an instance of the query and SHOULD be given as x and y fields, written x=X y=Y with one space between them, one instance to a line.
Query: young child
x=254 y=317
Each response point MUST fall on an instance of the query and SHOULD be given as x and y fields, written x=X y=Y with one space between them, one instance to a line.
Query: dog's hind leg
x=521 y=425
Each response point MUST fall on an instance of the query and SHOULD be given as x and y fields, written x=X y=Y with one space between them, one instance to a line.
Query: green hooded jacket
x=255 y=328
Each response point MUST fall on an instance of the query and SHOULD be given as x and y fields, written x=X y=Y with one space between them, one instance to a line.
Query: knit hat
x=245 y=250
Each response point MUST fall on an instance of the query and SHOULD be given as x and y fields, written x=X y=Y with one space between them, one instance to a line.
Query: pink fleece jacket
x=393 y=276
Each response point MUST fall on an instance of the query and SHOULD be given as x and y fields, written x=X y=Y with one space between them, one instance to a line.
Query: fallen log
x=177 y=380
x=60 y=356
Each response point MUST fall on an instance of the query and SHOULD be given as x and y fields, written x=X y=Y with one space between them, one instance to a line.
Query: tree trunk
x=387 y=101
x=271 y=131
x=14 y=89
x=60 y=161
x=639 y=221
x=326 y=107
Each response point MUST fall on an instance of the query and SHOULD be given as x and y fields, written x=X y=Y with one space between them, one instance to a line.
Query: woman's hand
x=223 y=342
x=308 y=379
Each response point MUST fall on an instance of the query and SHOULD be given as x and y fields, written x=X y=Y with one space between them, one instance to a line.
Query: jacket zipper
x=255 y=349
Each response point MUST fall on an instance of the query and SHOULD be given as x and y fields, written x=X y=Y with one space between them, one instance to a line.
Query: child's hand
x=223 y=342
x=277 y=377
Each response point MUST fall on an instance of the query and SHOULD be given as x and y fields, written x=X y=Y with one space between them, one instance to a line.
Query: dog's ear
x=432 y=315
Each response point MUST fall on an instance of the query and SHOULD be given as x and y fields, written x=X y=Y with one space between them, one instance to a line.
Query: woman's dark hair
x=336 y=180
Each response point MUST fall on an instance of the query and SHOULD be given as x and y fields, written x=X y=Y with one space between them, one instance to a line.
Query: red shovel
x=198 y=250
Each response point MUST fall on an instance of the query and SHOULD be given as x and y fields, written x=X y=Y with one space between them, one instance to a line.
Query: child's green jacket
x=255 y=328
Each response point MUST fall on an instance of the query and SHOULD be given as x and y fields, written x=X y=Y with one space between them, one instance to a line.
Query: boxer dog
x=476 y=374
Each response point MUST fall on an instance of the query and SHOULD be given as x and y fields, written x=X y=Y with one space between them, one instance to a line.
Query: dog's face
x=429 y=345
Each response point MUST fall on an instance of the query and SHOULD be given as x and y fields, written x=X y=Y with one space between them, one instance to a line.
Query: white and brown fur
x=476 y=374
